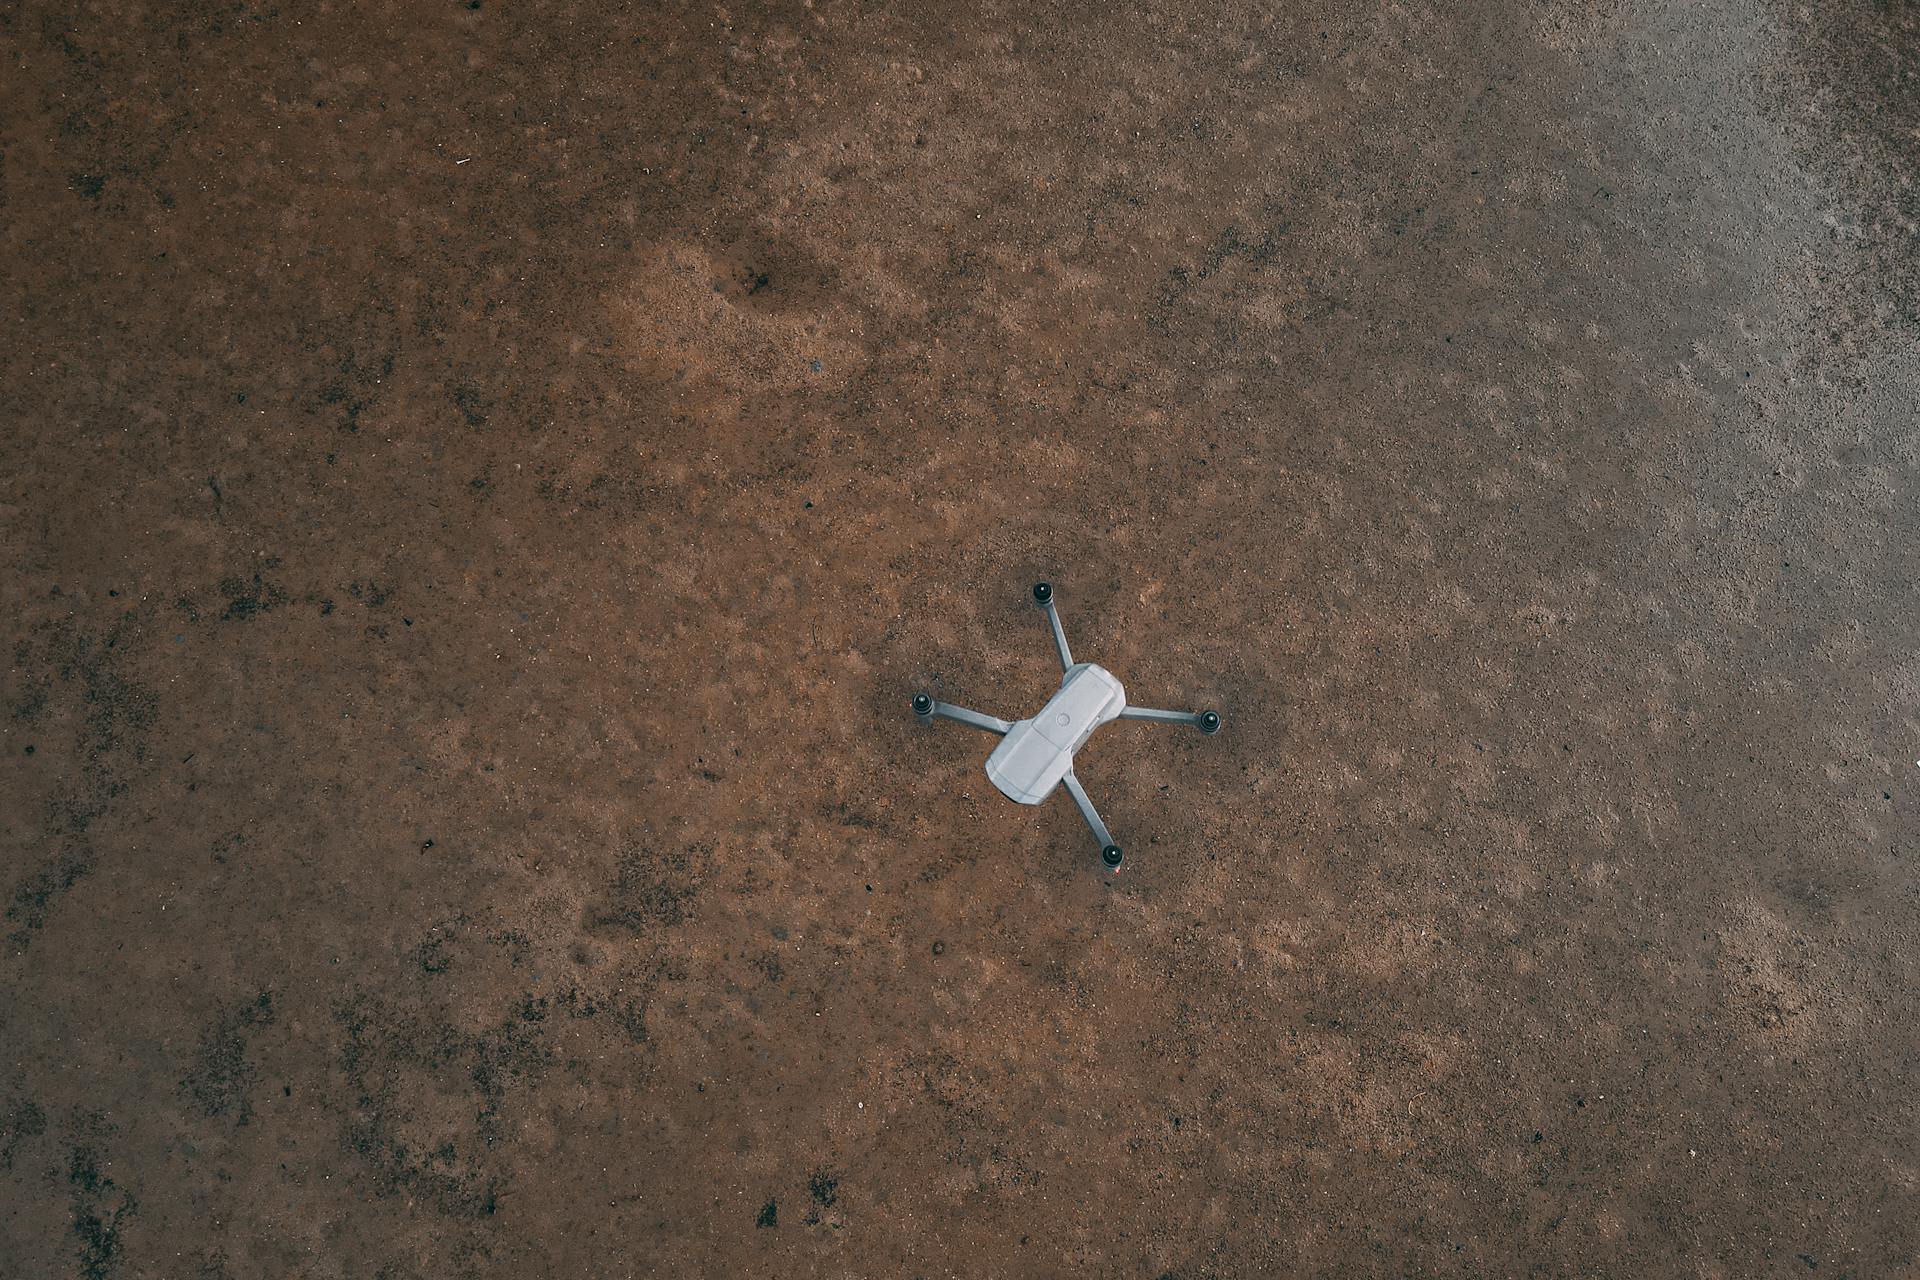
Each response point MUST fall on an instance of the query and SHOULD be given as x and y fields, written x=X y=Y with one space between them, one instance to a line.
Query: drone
x=1036 y=755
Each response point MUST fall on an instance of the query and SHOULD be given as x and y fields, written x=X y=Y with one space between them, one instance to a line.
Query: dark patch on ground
x=392 y=1061
x=80 y=673
x=652 y=888
x=248 y=598
x=348 y=361
x=1857 y=62
x=823 y=1189
x=222 y=1078
x=34 y=898
x=20 y=1119
x=101 y=1208
x=369 y=593
x=472 y=404
x=402 y=1061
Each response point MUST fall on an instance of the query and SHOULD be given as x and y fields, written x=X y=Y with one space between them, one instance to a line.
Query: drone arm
x=1092 y=815
x=927 y=708
x=992 y=724
x=1043 y=596
x=1204 y=721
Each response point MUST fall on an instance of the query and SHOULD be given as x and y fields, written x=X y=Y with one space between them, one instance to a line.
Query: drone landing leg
x=926 y=708
x=1204 y=721
x=1109 y=851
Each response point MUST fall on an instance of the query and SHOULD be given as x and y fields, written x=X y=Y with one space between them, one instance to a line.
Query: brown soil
x=481 y=481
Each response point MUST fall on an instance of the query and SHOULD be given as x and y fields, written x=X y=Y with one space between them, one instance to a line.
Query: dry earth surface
x=480 y=481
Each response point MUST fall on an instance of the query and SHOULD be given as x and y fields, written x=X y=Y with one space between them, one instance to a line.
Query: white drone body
x=1036 y=755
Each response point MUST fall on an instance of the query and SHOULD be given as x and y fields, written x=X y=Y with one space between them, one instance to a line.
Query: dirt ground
x=481 y=481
